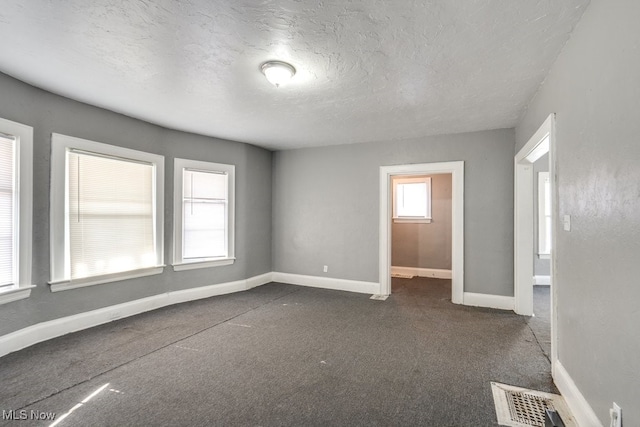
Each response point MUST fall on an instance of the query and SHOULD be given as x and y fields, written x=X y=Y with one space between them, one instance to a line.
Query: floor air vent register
x=520 y=407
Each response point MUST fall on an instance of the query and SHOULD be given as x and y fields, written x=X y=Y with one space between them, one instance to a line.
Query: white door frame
x=523 y=223
x=456 y=169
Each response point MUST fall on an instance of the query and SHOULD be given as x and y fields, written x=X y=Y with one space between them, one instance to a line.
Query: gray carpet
x=284 y=355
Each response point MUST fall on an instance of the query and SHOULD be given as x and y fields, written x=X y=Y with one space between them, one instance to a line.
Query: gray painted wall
x=326 y=202
x=48 y=113
x=593 y=89
x=541 y=267
x=426 y=245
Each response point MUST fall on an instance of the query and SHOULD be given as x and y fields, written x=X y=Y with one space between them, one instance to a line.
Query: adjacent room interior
x=295 y=213
x=421 y=230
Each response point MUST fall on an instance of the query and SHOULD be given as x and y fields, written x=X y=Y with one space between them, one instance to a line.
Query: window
x=8 y=207
x=412 y=199
x=16 y=156
x=544 y=215
x=107 y=213
x=203 y=214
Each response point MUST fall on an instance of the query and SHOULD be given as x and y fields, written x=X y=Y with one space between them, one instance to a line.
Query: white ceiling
x=368 y=70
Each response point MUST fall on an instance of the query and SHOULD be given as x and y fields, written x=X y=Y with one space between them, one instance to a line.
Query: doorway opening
x=535 y=214
x=421 y=231
x=400 y=172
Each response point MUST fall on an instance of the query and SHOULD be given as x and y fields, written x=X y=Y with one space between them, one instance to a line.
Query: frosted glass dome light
x=277 y=72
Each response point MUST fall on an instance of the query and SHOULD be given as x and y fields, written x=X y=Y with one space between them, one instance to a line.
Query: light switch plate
x=566 y=222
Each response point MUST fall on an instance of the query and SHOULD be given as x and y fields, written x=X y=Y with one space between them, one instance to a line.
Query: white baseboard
x=54 y=328
x=422 y=272
x=542 y=280
x=328 y=283
x=263 y=279
x=489 y=301
x=580 y=408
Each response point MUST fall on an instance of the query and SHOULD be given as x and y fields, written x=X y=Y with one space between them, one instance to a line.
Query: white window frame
x=23 y=135
x=179 y=263
x=412 y=180
x=543 y=177
x=60 y=249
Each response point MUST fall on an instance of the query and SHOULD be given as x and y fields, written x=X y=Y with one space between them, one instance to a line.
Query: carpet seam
x=537 y=341
x=156 y=350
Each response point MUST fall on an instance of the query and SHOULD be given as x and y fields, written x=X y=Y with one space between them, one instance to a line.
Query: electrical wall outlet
x=616 y=415
x=326 y=268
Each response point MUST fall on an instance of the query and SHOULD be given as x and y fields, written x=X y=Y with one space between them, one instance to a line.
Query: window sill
x=15 y=294
x=412 y=220
x=65 y=285
x=544 y=256
x=181 y=266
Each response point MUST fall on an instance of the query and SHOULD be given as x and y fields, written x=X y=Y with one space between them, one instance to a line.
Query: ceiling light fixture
x=277 y=72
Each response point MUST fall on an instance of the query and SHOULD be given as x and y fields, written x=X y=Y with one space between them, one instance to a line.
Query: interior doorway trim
x=456 y=169
x=524 y=223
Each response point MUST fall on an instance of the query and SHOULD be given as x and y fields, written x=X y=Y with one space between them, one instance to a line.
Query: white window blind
x=412 y=200
x=547 y=214
x=7 y=211
x=544 y=214
x=204 y=220
x=110 y=214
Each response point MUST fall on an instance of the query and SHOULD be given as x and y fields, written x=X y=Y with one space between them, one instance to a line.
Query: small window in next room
x=544 y=215
x=106 y=213
x=203 y=214
x=412 y=199
x=16 y=156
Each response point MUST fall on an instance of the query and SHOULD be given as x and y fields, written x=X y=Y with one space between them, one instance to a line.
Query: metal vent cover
x=521 y=407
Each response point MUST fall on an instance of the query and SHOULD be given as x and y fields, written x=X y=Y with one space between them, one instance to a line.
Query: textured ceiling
x=368 y=70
